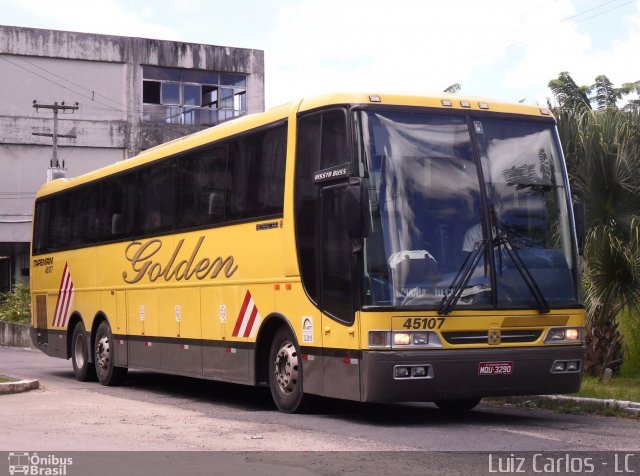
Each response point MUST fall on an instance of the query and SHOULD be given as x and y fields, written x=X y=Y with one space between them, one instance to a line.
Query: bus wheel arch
x=79 y=349
x=265 y=336
x=282 y=364
x=73 y=322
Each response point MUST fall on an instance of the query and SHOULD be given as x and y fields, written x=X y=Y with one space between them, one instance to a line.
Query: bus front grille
x=482 y=337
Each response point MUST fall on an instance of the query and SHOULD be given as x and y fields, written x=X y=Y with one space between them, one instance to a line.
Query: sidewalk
x=18 y=386
x=588 y=404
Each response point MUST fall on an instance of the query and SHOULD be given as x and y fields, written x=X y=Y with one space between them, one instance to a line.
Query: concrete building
x=115 y=97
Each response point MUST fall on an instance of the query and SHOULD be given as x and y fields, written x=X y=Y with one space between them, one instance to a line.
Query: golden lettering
x=140 y=255
x=202 y=268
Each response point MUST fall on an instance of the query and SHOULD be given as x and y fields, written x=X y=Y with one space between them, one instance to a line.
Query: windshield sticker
x=477 y=125
x=307 y=329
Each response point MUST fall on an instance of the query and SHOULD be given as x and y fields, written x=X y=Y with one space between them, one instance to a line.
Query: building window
x=186 y=96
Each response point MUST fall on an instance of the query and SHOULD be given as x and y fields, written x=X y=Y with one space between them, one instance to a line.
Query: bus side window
x=116 y=203
x=116 y=223
x=201 y=185
x=256 y=166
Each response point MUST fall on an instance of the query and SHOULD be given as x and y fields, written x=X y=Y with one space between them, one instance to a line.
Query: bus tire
x=82 y=368
x=461 y=405
x=285 y=372
x=106 y=370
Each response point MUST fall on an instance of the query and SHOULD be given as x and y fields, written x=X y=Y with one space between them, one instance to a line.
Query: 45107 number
x=424 y=323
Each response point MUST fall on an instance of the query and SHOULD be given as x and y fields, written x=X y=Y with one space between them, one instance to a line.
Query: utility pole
x=55 y=170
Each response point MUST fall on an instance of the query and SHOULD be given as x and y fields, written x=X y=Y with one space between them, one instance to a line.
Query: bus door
x=339 y=320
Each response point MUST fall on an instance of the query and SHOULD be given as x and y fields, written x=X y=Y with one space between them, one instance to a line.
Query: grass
x=4 y=379
x=618 y=388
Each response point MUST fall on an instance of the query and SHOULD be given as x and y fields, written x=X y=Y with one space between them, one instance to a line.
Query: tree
x=453 y=88
x=602 y=148
x=572 y=97
x=569 y=95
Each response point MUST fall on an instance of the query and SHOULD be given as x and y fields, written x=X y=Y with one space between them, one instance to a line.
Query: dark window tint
x=156 y=205
x=336 y=257
x=202 y=184
x=322 y=139
x=41 y=220
x=59 y=229
x=85 y=220
x=256 y=167
x=117 y=206
x=205 y=187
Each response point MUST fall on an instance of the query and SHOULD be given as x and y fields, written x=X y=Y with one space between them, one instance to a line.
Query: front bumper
x=454 y=374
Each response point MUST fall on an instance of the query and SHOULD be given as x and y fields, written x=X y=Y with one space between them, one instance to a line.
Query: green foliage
x=630 y=328
x=569 y=95
x=602 y=94
x=15 y=306
x=617 y=389
x=453 y=88
x=602 y=148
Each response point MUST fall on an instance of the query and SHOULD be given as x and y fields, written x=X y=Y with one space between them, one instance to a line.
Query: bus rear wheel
x=461 y=405
x=285 y=372
x=104 y=357
x=82 y=368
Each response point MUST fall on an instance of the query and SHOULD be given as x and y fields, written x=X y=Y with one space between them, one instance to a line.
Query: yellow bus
x=376 y=248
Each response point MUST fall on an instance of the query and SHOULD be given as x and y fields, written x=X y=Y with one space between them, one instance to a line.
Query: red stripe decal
x=236 y=329
x=62 y=283
x=64 y=315
x=254 y=313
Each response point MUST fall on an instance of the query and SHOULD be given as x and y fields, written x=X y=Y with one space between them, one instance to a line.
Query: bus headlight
x=404 y=339
x=563 y=335
x=401 y=338
x=420 y=338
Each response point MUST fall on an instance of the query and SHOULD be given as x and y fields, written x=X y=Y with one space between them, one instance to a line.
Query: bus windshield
x=447 y=188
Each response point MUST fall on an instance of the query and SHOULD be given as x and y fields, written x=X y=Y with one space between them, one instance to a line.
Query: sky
x=502 y=49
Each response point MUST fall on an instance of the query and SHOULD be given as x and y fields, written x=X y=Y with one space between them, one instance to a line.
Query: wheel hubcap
x=79 y=351
x=285 y=368
x=103 y=353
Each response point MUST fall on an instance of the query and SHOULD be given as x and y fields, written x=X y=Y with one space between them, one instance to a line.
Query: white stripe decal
x=65 y=298
x=248 y=320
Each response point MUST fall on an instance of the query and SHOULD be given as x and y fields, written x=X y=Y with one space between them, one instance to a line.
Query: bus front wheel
x=82 y=368
x=108 y=373
x=285 y=372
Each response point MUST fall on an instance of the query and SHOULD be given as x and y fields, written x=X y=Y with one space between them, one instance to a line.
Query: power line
x=130 y=112
x=75 y=84
x=563 y=20
x=56 y=83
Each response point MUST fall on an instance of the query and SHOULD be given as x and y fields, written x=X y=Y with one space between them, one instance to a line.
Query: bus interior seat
x=116 y=224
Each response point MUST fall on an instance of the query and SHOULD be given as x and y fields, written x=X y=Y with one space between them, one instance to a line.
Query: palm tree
x=603 y=159
x=453 y=88
x=569 y=95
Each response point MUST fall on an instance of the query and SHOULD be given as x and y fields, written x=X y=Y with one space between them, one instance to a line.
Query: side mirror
x=356 y=204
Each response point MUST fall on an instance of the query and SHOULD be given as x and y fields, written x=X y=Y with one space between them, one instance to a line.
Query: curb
x=19 y=386
x=626 y=406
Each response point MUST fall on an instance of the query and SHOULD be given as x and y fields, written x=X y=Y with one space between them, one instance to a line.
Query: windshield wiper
x=543 y=305
x=459 y=283
x=469 y=265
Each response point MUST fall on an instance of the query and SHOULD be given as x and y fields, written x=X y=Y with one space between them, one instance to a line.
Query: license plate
x=495 y=368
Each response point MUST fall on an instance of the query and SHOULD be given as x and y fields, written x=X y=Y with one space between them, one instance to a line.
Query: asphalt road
x=155 y=412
